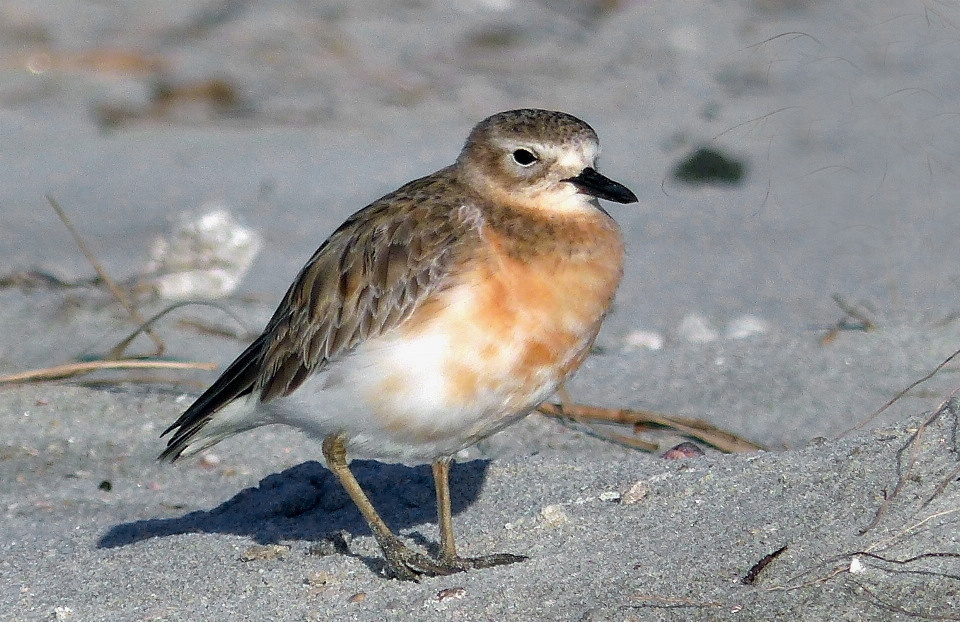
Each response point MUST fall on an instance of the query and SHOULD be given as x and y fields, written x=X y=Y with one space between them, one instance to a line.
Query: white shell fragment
x=553 y=516
x=651 y=340
x=746 y=326
x=205 y=256
x=695 y=328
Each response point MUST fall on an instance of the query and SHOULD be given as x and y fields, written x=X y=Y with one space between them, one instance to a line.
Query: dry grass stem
x=116 y=291
x=947 y=405
x=116 y=352
x=67 y=370
x=694 y=428
x=899 y=395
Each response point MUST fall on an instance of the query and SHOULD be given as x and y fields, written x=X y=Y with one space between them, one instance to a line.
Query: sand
x=845 y=118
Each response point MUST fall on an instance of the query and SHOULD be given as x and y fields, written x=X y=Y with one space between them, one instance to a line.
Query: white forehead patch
x=578 y=157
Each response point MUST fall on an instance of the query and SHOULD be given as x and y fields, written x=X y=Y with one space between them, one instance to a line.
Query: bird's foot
x=408 y=565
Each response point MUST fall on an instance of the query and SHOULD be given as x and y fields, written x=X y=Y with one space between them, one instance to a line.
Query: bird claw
x=408 y=565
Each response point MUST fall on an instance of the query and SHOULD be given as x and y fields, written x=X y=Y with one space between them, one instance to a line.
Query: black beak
x=589 y=181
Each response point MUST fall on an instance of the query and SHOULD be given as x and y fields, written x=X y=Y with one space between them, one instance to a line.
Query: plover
x=435 y=316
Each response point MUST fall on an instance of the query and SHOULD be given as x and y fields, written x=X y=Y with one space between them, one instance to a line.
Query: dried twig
x=58 y=372
x=817 y=581
x=855 y=313
x=899 y=395
x=216 y=331
x=116 y=352
x=909 y=560
x=865 y=323
x=952 y=404
x=890 y=540
x=943 y=485
x=897 y=608
x=694 y=428
x=39 y=278
x=757 y=568
x=630 y=441
x=116 y=291
x=793 y=583
x=914 y=444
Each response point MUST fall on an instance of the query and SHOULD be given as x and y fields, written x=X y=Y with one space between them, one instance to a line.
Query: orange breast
x=524 y=321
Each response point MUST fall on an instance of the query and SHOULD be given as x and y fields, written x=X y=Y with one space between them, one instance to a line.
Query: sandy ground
x=845 y=115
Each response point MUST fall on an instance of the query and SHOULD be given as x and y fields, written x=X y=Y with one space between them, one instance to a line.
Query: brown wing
x=365 y=279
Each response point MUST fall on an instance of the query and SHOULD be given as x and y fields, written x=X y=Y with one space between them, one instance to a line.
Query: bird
x=434 y=317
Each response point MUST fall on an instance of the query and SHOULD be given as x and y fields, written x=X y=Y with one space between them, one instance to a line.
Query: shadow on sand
x=306 y=502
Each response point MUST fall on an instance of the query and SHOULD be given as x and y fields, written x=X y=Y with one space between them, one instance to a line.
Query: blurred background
x=786 y=152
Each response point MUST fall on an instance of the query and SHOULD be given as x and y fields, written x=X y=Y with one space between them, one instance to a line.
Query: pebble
x=451 y=592
x=259 y=552
x=635 y=493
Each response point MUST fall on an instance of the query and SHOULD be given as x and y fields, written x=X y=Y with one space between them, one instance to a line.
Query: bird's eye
x=524 y=157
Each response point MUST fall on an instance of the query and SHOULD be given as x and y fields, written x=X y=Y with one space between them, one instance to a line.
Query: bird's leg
x=441 y=479
x=448 y=548
x=403 y=563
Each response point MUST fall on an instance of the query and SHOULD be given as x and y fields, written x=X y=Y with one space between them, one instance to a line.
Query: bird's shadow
x=307 y=502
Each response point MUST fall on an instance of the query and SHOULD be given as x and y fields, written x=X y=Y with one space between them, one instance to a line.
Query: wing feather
x=364 y=280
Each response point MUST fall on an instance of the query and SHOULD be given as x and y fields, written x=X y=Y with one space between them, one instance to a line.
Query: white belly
x=396 y=397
